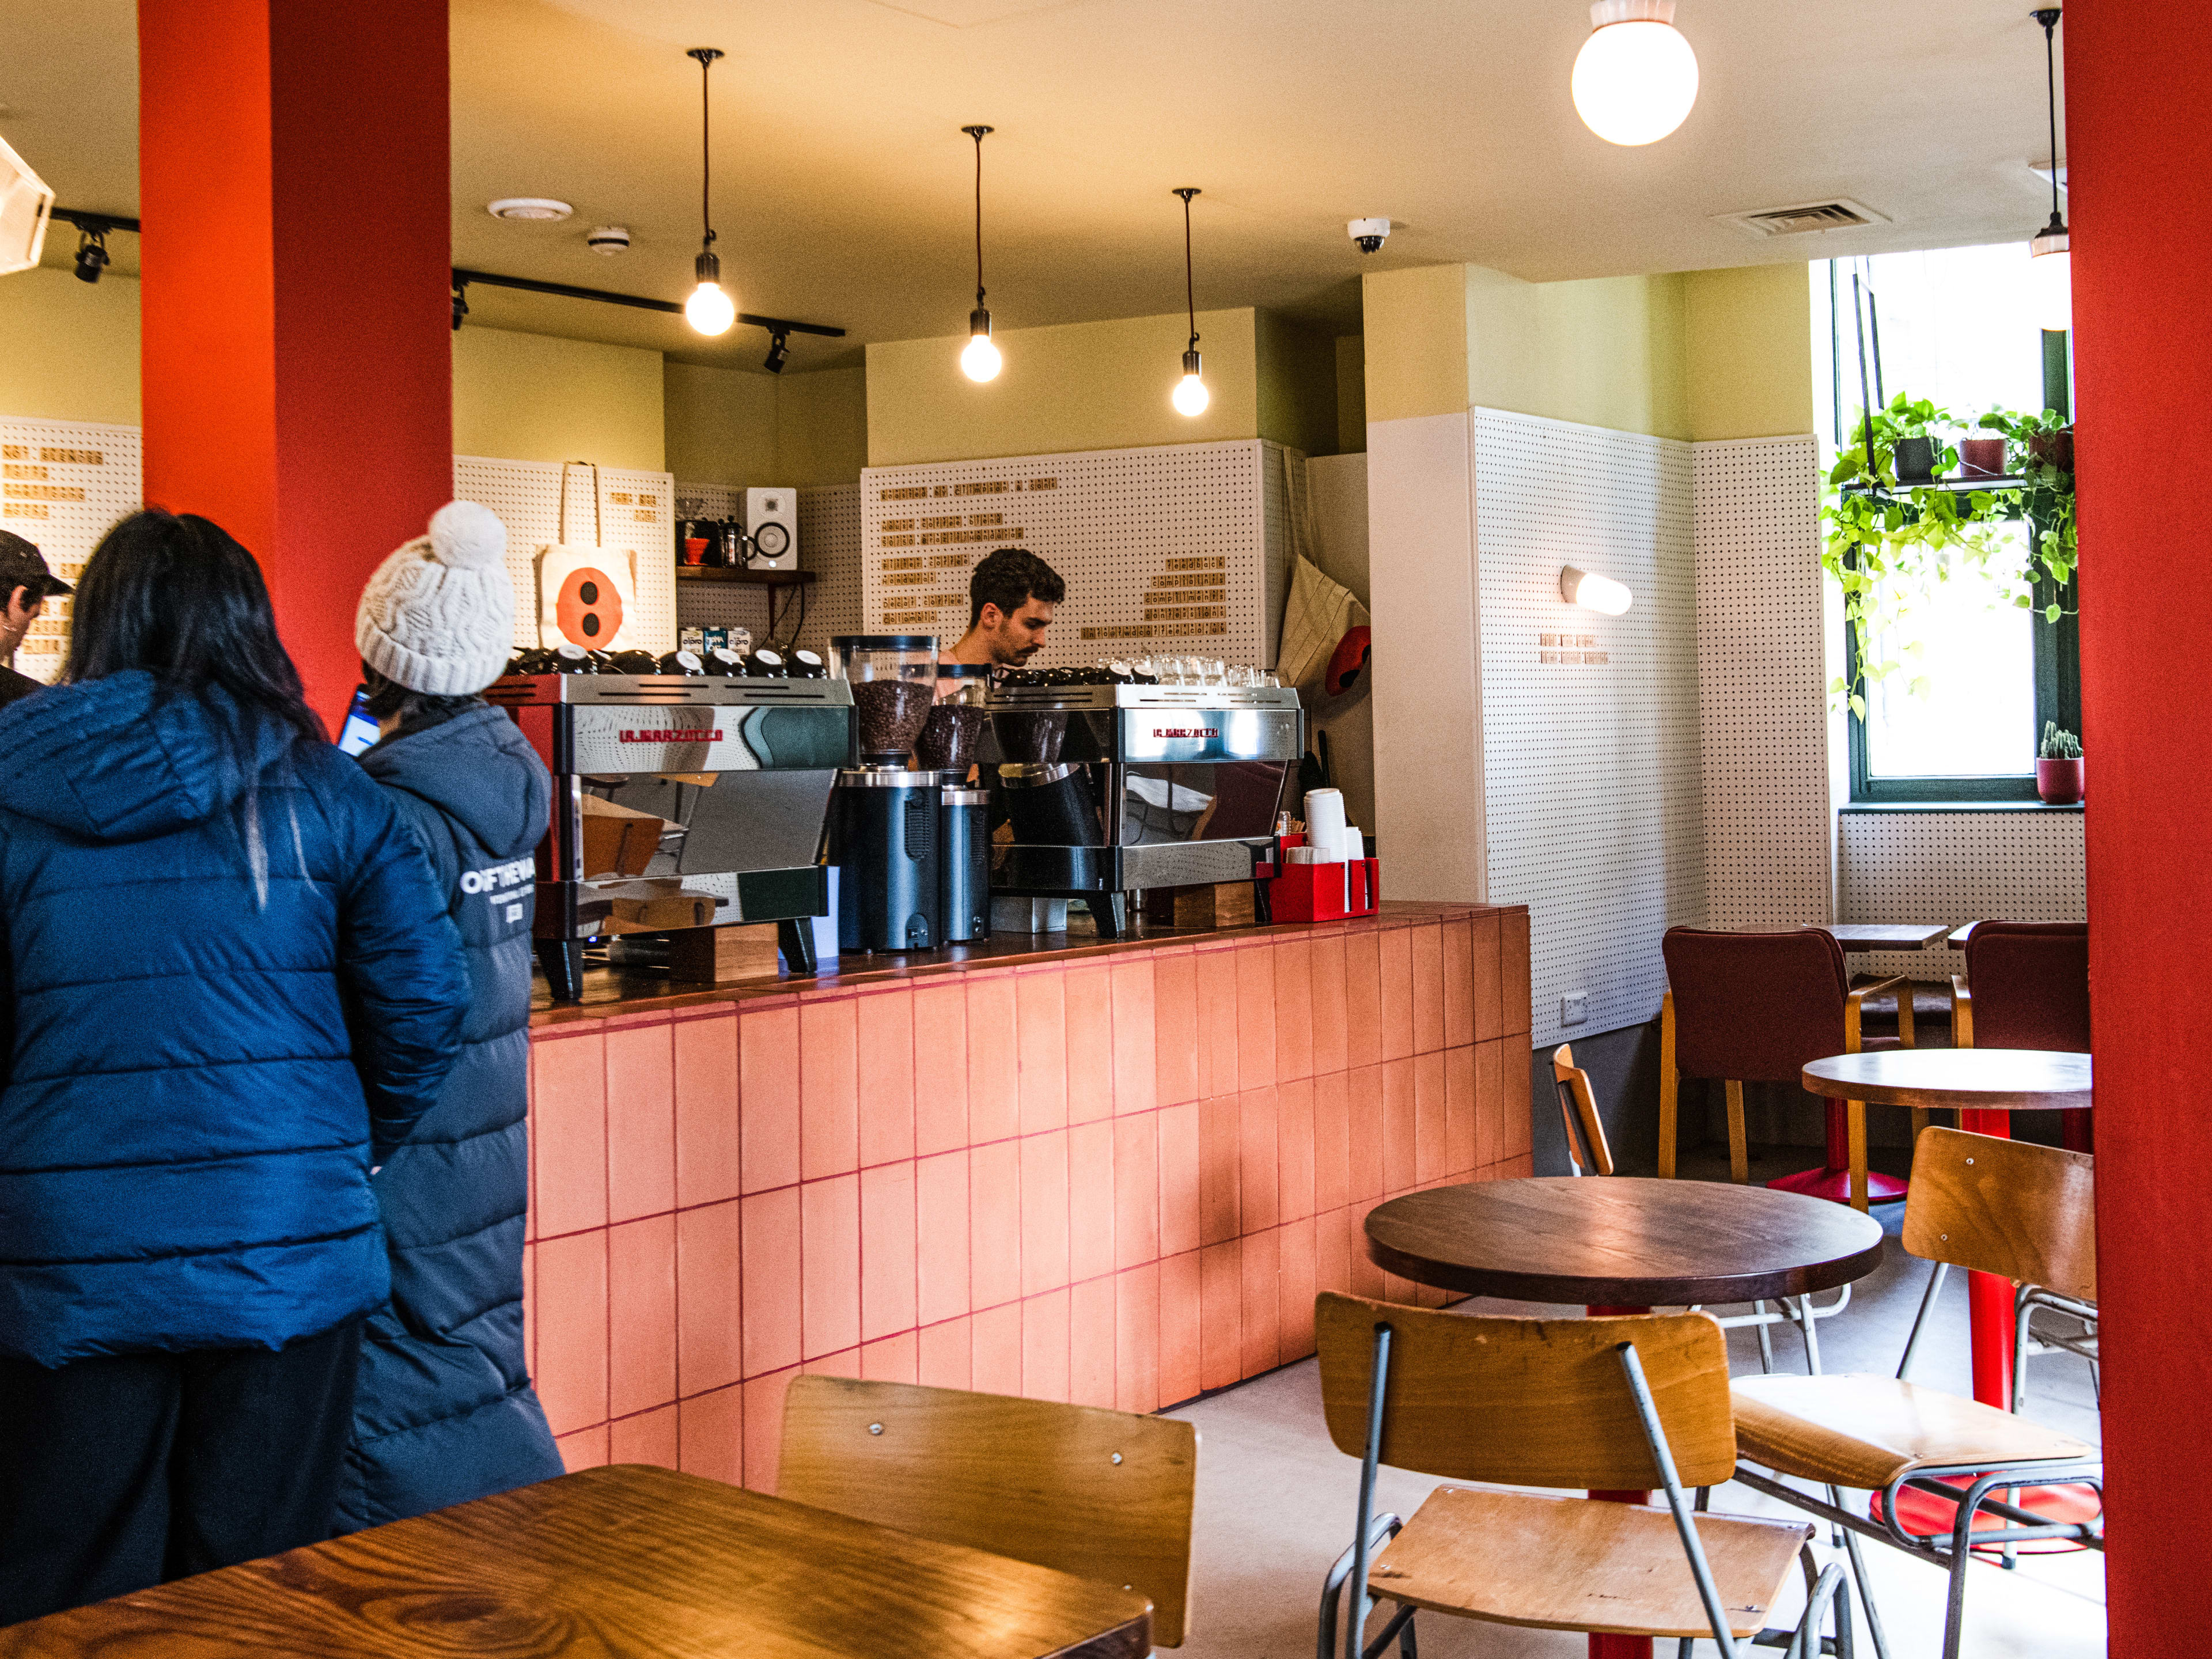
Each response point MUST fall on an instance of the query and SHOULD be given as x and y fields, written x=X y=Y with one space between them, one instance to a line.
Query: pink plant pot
x=1981 y=457
x=2059 y=782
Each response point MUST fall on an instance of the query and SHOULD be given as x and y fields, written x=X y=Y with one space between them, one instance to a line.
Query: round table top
x=1622 y=1241
x=1979 y=1079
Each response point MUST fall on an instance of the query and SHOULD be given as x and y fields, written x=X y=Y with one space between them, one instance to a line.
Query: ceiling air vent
x=1840 y=213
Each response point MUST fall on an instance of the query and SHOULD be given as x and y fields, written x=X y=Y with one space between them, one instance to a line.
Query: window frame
x=2057 y=668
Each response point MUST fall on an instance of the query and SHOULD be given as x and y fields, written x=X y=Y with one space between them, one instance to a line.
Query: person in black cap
x=27 y=581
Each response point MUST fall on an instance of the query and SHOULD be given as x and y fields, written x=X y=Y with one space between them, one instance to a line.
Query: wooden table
x=1859 y=936
x=619 y=1563
x=1986 y=1086
x=1622 y=1245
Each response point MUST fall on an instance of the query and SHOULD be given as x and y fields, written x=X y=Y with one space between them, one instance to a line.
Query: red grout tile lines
x=1116 y=1181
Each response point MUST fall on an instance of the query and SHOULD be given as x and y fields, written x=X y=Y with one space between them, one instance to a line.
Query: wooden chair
x=1588 y=1151
x=2026 y=986
x=1756 y=1008
x=1619 y=1404
x=1102 y=1495
x=2002 y=1207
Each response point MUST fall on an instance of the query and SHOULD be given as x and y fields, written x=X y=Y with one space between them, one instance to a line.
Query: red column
x=2139 y=127
x=292 y=177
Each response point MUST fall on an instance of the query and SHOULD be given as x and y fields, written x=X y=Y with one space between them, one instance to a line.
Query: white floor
x=1275 y=1504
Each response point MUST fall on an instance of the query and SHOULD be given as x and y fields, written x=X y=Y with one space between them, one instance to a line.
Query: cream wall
x=533 y=397
x=730 y=427
x=69 y=350
x=1101 y=386
x=1750 y=352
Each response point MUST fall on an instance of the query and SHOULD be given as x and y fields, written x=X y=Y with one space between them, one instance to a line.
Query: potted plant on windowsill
x=2059 y=769
x=1920 y=454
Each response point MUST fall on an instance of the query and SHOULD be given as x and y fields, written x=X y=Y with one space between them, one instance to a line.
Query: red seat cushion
x=1754 y=1007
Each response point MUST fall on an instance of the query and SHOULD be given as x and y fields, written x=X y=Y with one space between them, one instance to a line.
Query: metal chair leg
x=1859 y=1578
x=1765 y=1342
x=1811 y=1331
x=1920 y=1320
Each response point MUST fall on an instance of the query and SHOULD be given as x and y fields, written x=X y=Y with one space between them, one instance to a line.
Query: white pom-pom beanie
x=438 y=616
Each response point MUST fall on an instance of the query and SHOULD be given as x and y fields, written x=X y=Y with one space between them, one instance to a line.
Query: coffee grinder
x=883 y=811
x=951 y=744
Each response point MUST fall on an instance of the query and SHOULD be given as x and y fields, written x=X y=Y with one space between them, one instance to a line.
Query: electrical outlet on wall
x=1574 y=1008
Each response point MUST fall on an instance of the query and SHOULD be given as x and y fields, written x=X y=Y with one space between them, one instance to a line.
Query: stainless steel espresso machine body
x=1111 y=789
x=726 y=782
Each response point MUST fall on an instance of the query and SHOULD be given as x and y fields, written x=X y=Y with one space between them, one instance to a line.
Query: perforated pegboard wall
x=62 y=484
x=1590 y=738
x=1167 y=550
x=1761 y=695
x=636 y=516
x=1954 y=867
x=830 y=546
x=708 y=603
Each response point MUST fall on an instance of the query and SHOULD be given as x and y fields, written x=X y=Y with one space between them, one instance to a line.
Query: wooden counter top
x=611 y=992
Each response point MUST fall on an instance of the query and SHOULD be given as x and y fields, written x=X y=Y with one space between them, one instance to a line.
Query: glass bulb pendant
x=710 y=310
x=1636 y=78
x=2051 y=278
x=1191 y=396
x=980 y=360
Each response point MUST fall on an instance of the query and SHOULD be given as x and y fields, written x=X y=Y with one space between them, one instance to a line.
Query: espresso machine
x=681 y=800
x=1111 y=786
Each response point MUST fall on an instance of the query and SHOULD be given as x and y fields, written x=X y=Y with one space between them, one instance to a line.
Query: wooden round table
x=1986 y=1086
x=1621 y=1245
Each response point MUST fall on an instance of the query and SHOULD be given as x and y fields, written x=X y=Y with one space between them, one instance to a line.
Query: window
x=1958 y=680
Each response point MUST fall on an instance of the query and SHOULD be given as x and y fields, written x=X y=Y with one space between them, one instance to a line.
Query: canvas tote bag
x=587 y=596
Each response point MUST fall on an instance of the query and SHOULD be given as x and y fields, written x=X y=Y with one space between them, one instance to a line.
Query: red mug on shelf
x=694 y=550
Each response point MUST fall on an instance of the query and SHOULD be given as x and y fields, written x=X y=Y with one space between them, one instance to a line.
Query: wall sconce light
x=1594 y=593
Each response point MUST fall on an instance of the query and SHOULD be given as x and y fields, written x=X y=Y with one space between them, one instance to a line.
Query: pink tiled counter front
x=1115 y=1176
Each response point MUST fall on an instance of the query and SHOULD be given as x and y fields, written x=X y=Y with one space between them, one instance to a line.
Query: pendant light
x=1635 y=76
x=2050 y=258
x=980 y=359
x=1191 y=396
x=710 y=310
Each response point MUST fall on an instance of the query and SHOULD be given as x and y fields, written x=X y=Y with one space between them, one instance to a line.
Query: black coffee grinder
x=883 y=812
x=951 y=744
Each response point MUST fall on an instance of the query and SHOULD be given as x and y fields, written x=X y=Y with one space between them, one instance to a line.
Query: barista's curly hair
x=1008 y=579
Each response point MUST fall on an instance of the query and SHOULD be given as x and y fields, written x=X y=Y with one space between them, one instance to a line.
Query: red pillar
x=2139 y=127
x=294 y=165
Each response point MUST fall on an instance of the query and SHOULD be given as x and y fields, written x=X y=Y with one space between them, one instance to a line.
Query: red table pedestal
x=1620 y=1647
x=1989 y=1297
x=1833 y=1181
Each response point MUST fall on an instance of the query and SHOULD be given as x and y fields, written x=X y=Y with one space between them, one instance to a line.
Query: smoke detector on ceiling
x=1838 y=213
x=529 y=207
x=608 y=240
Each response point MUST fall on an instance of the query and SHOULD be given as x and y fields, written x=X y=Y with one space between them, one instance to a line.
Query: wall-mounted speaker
x=772 y=528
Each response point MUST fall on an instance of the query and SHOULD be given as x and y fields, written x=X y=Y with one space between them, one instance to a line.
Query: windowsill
x=1954 y=806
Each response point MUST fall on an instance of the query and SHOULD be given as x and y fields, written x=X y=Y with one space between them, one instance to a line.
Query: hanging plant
x=1889 y=548
x=2039 y=449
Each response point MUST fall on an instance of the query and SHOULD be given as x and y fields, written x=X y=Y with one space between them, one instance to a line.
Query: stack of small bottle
x=1320 y=871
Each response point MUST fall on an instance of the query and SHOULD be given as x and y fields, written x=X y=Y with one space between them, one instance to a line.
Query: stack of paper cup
x=1325 y=824
x=1355 y=844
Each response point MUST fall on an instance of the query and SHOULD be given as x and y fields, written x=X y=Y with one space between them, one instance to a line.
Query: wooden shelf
x=715 y=573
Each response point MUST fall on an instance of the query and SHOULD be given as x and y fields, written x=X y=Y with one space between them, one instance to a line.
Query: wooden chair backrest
x=2008 y=1207
x=1528 y=1402
x=1103 y=1495
x=1579 y=1105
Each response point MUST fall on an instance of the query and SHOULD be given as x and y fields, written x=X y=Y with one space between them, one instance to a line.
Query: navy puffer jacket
x=445 y=1411
x=199 y=1054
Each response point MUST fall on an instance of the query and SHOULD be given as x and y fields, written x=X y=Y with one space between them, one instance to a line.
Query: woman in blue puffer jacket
x=231 y=987
x=445 y=1411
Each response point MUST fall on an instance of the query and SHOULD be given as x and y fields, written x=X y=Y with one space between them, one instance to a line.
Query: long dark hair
x=173 y=594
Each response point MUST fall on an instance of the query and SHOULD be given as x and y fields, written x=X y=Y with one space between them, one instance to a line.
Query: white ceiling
x=843 y=183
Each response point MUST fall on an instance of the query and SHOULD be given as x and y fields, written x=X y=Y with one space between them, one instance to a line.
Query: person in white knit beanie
x=445 y=1411
x=438 y=616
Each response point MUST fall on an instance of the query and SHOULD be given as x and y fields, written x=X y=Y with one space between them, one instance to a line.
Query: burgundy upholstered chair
x=1757 y=1008
x=2026 y=987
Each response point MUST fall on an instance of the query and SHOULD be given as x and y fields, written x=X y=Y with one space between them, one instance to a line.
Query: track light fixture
x=2050 y=254
x=710 y=310
x=779 y=348
x=91 y=255
x=980 y=359
x=1190 y=396
x=461 y=303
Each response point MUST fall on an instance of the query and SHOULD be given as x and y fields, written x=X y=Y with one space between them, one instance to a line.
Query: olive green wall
x=69 y=350
x=730 y=427
x=1751 y=351
x=533 y=397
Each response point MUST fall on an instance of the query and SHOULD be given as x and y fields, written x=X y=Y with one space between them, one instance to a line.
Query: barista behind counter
x=1009 y=600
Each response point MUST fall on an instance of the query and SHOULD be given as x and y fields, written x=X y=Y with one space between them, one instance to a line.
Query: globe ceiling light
x=2051 y=253
x=1636 y=78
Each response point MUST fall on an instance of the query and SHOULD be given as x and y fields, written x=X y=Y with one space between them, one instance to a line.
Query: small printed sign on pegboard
x=62 y=484
x=1176 y=551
